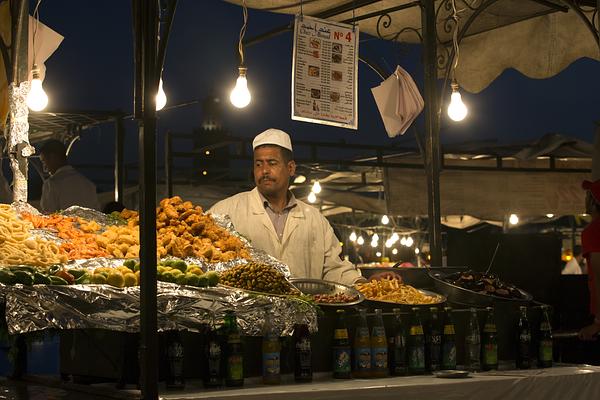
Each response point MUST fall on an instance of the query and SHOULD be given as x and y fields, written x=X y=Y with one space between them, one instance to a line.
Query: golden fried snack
x=393 y=290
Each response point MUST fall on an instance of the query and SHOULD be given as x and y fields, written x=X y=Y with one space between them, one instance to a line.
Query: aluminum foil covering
x=18 y=137
x=33 y=308
x=92 y=215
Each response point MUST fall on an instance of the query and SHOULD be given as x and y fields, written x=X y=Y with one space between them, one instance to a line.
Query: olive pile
x=257 y=277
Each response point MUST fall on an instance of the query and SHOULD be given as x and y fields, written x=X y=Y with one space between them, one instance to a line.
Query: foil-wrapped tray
x=317 y=286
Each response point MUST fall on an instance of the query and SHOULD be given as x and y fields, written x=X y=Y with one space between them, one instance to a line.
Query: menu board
x=325 y=72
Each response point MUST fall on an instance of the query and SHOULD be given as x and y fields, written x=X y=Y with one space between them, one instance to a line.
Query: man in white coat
x=281 y=225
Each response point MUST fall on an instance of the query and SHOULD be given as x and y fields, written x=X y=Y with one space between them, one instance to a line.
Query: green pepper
x=130 y=264
x=25 y=268
x=24 y=277
x=57 y=280
x=7 y=277
x=41 y=279
x=54 y=269
x=83 y=279
x=77 y=272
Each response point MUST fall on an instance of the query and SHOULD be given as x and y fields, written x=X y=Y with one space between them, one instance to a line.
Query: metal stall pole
x=119 y=167
x=432 y=130
x=169 y=163
x=145 y=14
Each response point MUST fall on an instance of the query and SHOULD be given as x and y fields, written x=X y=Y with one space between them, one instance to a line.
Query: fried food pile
x=184 y=230
x=393 y=290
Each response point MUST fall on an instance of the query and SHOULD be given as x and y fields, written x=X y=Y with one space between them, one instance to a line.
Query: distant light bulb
x=409 y=241
x=457 y=111
x=161 y=97
x=513 y=219
x=353 y=236
x=374 y=244
x=312 y=197
x=378 y=254
x=403 y=241
x=300 y=179
x=417 y=251
x=385 y=220
x=37 y=99
x=395 y=237
x=316 y=188
x=375 y=237
x=240 y=95
x=389 y=243
x=360 y=240
x=550 y=215
x=394 y=251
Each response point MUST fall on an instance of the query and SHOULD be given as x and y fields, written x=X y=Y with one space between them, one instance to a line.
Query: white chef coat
x=308 y=246
x=5 y=192
x=67 y=187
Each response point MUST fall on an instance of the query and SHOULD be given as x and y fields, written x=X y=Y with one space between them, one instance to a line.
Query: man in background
x=5 y=192
x=65 y=187
x=573 y=266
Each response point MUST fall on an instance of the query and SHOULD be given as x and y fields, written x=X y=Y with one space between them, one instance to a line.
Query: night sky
x=93 y=69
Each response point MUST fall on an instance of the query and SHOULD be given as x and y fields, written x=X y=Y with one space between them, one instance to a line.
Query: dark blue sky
x=93 y=69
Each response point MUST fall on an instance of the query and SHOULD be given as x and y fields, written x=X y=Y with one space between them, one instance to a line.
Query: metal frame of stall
x=149 y=54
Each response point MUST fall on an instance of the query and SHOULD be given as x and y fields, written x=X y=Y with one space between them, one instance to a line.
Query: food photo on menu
x=313 y=71
x=315 y=93
x=336 y=58
x=315 y=43
x=336 y=76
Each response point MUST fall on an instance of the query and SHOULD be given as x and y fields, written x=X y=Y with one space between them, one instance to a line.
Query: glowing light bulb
x=409 y=242
x=417 y=251
x=389 y=243
x=375 y=237
x=395 y=237
x=457 y=111
x=312 y=197
x=394 y=251
x=300 y=179
x=316 y=188
x=374 y=243
x=161 y=97
x=385 y=220
x=353 y=236
x=513 y=219
x=37 y=99
x=403 y=241
x=378 y=254
x=550 y=215
x=240 y=95
x=360 y=240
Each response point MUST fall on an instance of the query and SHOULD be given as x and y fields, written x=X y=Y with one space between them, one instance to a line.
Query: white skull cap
x=273 y=136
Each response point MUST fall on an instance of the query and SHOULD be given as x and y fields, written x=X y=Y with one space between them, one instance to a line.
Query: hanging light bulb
x=403 y=241
x=389 y=243
x=360 y=241
x=378 y=254
x=375 y=237
x=240 y=95
x=457 y=111
x=316 y=188
x=300 y=179
x=374 y=243
x=395 y=237
x=353 y=236
x=409 y=241
x=417 y=251
x=513 y=219
x=37 y=99
x=550 y=215
x=161 y=97
x=394 y=251
x=385 y=220
x=312 y=197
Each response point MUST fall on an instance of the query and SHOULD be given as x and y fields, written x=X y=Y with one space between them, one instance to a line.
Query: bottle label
x=416 y=357
x=546 y=350
x=489 y=328
x=304 y=353
x=473 y=354
x=378 y=331
x=490 y=354
x=341 y=360
x=340 y=334
x=449 y=355
x=303 y=345
x=362 y=358
x=416 y=330
x=449 y=329
x=235 y=367
x=525 y=337
x=380 y=357
x=271 y=364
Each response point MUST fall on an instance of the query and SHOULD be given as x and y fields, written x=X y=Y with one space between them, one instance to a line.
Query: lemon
x=192 y=279
x=115 y=279
x=129 y=279
x=98 y=279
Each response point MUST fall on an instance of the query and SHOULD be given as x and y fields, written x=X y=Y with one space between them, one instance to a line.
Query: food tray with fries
x=328 y=293
x=394 y=291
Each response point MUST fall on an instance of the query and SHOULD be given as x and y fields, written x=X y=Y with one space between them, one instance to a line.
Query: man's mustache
x=265 y=179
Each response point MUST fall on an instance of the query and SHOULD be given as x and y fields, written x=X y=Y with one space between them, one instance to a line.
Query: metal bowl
x=460 y=295
x=317 y=286
x=423 y=291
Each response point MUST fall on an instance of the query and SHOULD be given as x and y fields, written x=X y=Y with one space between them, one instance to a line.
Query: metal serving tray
x=317 y=286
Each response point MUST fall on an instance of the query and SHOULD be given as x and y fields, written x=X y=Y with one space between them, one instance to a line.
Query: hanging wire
x=301 y=9
x=455 y=17
x=36 y=16
x=242 y=33
x=353 y=15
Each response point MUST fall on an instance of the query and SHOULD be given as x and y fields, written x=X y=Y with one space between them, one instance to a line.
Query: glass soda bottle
x=523 y=340
x=397 y=346
x=271 y=353
x=341 y=348
x=433 y=342
x=545 y=350
x=473 y=343
x=302 y=354
x=362 y=347
x=489 y=342
x=214 y=355
x=379 y=347
x=234 y=352
x=448 y=341
x=175 y=378
x=416 y=345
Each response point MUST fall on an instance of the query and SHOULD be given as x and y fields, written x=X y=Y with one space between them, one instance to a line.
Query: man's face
x=589 y=202
x=271 y=172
